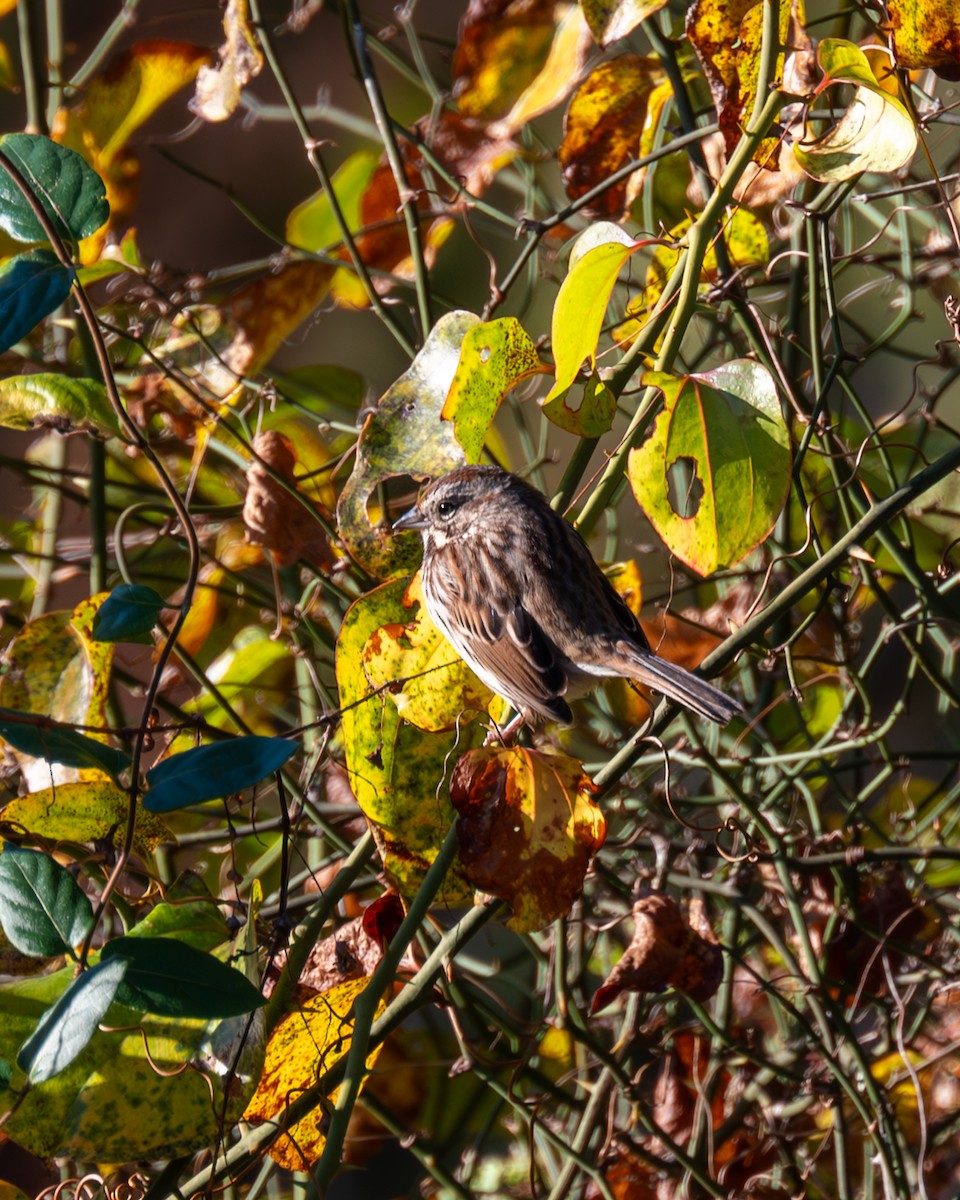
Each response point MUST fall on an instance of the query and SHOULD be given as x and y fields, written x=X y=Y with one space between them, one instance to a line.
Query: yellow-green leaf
x=85 y=811
x=725 y=429
x=58 y=402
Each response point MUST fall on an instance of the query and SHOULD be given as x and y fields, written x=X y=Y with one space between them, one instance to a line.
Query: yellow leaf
x=85 y=811
x=304 y=1045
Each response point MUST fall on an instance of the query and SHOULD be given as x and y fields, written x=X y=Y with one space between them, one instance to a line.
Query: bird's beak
x=414 y=519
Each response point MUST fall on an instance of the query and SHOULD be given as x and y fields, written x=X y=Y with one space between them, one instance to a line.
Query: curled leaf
x=283 y=523
x=240 y=60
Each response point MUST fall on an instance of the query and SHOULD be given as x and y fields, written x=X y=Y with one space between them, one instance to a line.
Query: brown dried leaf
x=240 y=60
x=286 y=526
x=527 y=829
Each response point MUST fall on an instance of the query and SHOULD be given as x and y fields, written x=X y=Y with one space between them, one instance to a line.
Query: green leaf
x=58 y=402
x=726 y=425
x=31 y=286
x=210 y=772
x=67 y=1027
x=875 y=132
x=581 y=303
x=72 y=194
x=128 y=614
x=33 y=734
x=42 y=908
x=172 y=979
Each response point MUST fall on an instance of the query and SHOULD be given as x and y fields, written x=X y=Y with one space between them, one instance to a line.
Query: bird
x=517 y=593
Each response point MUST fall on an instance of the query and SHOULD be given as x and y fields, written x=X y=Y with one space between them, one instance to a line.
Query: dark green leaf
x=168 y=977
x=33 y=734
x=31 y=287
x=6 y=1073
x=66 y=1028
x=42 y=909
x=128 y=614
x=72 y=194
x=209 y=772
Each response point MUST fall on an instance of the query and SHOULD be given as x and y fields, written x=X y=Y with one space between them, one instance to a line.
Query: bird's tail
x=686 y=688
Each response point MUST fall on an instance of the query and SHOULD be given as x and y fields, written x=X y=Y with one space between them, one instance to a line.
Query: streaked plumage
x=516 y=591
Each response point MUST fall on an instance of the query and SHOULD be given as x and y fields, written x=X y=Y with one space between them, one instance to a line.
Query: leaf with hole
x=71 y=193
x=726 y=429
x=128 y=614
x=43 y=910
x=66 y=1028
x=172 y=979
x=211 y=772
x=31 y=286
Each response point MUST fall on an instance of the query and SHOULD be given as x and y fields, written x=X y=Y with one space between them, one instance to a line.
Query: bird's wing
x=508 y=649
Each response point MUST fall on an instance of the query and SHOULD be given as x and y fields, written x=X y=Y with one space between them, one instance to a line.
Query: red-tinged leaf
x=382 y=918
x=726 y=427
x=604 y=124
x=528 y=829
x=875 y=131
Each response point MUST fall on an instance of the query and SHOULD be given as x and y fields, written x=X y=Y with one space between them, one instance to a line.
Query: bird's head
x=457 y=504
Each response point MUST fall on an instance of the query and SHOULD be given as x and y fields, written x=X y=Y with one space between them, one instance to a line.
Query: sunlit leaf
x=875 y=131
x=395 y=769
x=31 y=287
x=527 y=829
x=88 y=810
x=581 y=306
x=610 y=20
x=504 y=48
x=926 y=35
x=43 y=910
x=306 y=1043
x=253 y=674
x=494 y=357
x=240 y=60
x=433 y=688
x=65 y=1029
x=128 y=614
x=603 y=127
x=211 y=772
x=71 y=194
x=404 y=436
x=57 y=402
x=727 y=427
x=173 y=979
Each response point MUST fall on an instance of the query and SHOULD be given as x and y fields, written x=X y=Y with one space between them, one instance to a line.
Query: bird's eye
x=446 y=508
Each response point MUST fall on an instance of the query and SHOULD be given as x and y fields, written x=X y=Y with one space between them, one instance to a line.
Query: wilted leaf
x=56 y=402
x=71 y=194
x=404 y=436
x=43 y=910
x=287 y=526
x=305 y=1044
x=211 y=772
x=610 y=20
x=875 y=132
x=494 y=357
x=664 y=952
x=581 y=305
x=240 y=60
x=86 y=811
x=434 y=688
x=604 y=125
x=31 y=287
x=528 y=829
x=726 y=35
x=395 y=769
x=726 y=424
x=926 y=35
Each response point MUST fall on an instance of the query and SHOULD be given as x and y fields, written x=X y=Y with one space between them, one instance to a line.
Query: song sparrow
x=518 y=594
